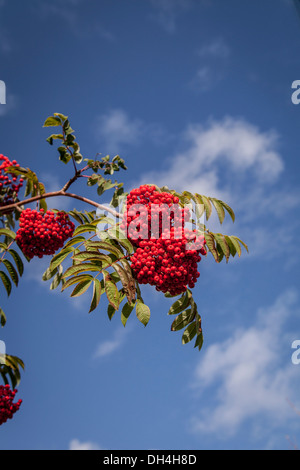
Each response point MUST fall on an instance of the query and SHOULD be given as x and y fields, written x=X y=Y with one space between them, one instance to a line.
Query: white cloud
x=117 y=129
x=205 y=78
x=75 y=444
x=235 y=161
x=214 y=60
x=249 y=377
x=230 y=145
x=167 y=12
x=217 y=48
x=110 y=346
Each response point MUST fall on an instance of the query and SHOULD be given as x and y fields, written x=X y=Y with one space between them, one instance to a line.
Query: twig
x=63 y=193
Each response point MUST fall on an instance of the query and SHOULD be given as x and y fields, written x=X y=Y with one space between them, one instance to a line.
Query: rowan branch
x=62 y=192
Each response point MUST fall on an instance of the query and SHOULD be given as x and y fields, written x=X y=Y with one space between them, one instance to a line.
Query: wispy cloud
x=75 y=444
x=117 y=129
x=212 y=67
x=235 y=161
x=216 y=48
x=109 y=346
x=246 y=376
x=230 y=144
x=167 y=12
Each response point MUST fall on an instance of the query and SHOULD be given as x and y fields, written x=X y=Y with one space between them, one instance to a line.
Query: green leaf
x=220 y=239
x=52 y=121
x=116 y=197
x=64 y=154
x=56 y=281
x=96 y=294
x=77 y=216
x=199 y=341
x=180 y=304
x=80 y=268
x=76 y=280
x=231 y=246
x=6 y=282
x=219 y=208
x=87 y=256
x=126 y=277
x=210 y=243
x=229 y=210
x=111 y=291
x=199 y=206
x=182 y=320
x=61 y=116
x=81 y=288
x=74 y=241
x=84 y=228
x=12 y=369
x=126 y=311
x=8 y=233
x=142 y=312
x=119 y=237
x=43 y=204
x=2 y=317
x=236 y=245
x=67 y=128
x=107 y=246
x=59 y=257
x=48 y=274
x=12 y=271
x=244 y=244
x=189 y=333
x=208 y=207
x=53 y=137
x=18 y=261
x=110 y=311
x=28 y=188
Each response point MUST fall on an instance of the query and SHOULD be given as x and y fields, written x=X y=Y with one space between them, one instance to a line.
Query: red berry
x=7 y=407
x=163 y=255
x=9 y=188
x=44 y=234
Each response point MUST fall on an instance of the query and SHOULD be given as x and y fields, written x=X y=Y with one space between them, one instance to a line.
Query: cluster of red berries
x=43 y=232
x=7 y=407
x=167 y=253
x=9 y=183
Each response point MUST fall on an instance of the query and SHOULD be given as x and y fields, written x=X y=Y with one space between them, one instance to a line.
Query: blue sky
x=195 y=95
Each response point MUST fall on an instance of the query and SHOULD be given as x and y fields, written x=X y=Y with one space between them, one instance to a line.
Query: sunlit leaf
x=59 y=258
x=142 y=312
x=81 y=288
x=96 y=295
x=2 y=317
x=126 y=311
x=12 y=271
x=6 y=282
x=111 y=291
x=189 y=333
x=182 y=320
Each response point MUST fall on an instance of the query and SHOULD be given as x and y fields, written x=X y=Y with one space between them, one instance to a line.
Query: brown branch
x=62 y=193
